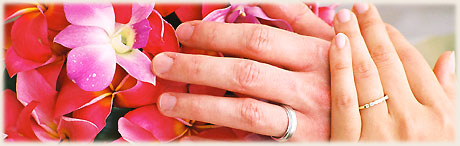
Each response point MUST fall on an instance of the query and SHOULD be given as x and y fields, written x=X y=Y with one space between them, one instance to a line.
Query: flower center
x=241 y=8
x=123 y=39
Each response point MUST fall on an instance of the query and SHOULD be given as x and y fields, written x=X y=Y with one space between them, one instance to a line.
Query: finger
x=240 y=113
x=345 y=118
x=445 y=72
x=254 y=41
x=237 y=75
x=422 y=80
x=301 y=18
x=383 y=53
x=367 y=80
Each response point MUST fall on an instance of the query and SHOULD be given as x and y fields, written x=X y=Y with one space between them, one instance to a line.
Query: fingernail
x=361 y=7
x=162 y=63
x=167 y=102
x=340 y=39
x=185 y=31
x=452 y=62
x=343 y=15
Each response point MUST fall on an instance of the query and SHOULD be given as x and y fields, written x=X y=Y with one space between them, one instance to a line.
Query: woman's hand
x=302 y=82
x=376 y=60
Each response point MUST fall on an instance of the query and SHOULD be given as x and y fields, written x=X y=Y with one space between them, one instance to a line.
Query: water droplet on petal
x=92 y=85
x=94 y=75
x=74 y=61
x=74 y=81
x=87 y=79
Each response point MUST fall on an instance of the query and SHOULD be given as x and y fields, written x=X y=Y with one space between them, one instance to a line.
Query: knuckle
x=258 y=40
x=247 y=74
x=369 y=23
x=364 y=69
x=381 y=55
x=341 y=65
x=195 y=66
x=344 y=100
x=251 y=113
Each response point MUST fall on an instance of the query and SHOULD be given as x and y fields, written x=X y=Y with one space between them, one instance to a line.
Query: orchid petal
x=96 y=113
x=99 y=15
x=77 y=129
x=149 y=118
x=132 y=132
x=11 y=109
x=247 y=19
x=141 y=12
x=231 y=18
x=92 y=67
x=208 y=8
x=138 y=65
x=142 y=29
x=218 y=15
x=71 y=97
x=122 y=12
x=32 y=86
x=75 y=36
x=55 y=17
x=189 y=12
x=29 y=36
x=257 y=12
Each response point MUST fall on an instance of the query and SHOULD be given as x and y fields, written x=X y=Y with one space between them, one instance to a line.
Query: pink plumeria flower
x=98 y=43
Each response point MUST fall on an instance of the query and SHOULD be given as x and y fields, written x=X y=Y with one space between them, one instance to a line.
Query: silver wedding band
x=292 y=125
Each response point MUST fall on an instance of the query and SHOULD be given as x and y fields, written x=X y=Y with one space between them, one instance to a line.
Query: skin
x=292 y=66
x=372 y=64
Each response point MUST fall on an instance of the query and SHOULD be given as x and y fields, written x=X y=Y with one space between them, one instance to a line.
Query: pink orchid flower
x=243 y=13
x=99 y=43
x=30 y=113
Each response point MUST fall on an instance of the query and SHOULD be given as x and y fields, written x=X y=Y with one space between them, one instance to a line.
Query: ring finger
x=240 y=113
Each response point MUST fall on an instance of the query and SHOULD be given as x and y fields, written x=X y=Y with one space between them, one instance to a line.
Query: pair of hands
x=293 y=69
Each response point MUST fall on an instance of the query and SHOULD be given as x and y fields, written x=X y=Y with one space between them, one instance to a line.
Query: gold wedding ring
x=375 y=102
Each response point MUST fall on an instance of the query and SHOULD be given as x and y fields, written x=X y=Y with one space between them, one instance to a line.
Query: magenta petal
x=141 y=12
x=162 y=127
x=257 y=12
x=138 y=65
x=32 y=86
x=218 y=15
x=133 y=133
x=15 y=63
x=76 y=36
x=142 y=29
x=327 y=14
x=95 y=113
x=92 y=67
x=139 y=95
x=232 y=16
x=77 y=129
x=94 y=14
